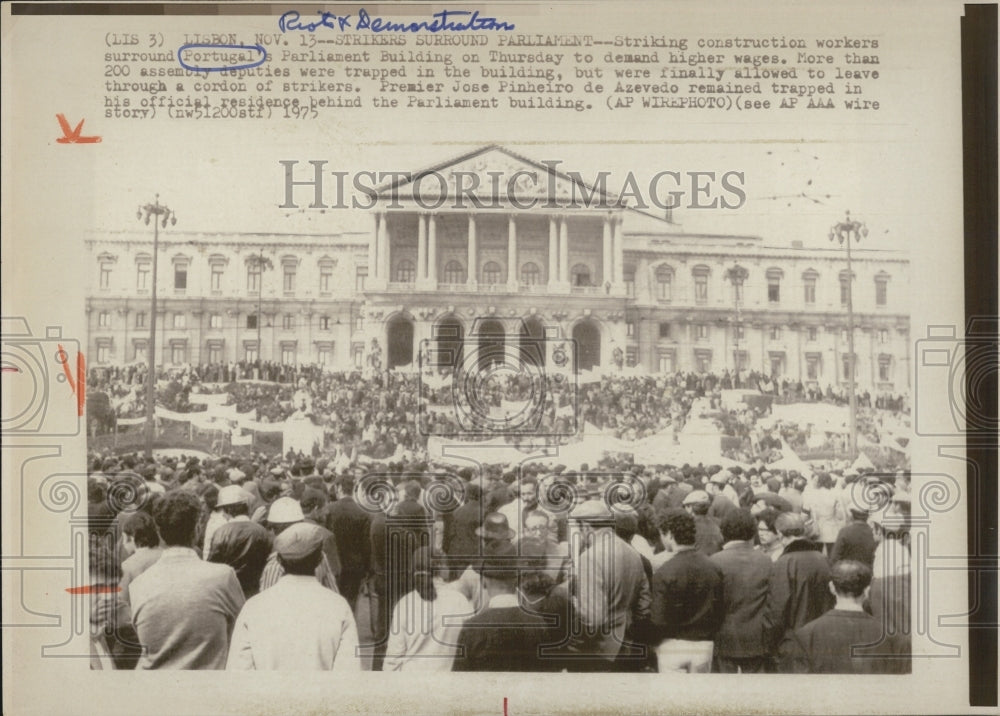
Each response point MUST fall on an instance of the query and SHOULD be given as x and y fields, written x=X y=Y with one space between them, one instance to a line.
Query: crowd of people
x=381 y=413
x=303 y=563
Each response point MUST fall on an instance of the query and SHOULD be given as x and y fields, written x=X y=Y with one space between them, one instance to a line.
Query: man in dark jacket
x=847 y=640
x=709 y=538
x=460 y=541
x=799 y=585
x=855 y=541
x=687 y=605
x=741 y=646
x=350 y=525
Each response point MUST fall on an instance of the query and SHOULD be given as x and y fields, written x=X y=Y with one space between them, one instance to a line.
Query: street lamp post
x=159 y=215
x=843 y=232
x=737 y=275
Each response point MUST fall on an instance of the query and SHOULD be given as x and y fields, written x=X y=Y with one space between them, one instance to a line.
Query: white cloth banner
x=208 y=398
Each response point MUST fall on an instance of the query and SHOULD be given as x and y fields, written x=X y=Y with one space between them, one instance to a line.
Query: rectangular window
x=104 y=319
x=287 y=322
x=812 y=367
x=740 y=360
x=103 y=353
x=105 y=276
x=630 y=285
x=216 y=278
x=180 y=320
x=739 y=331
x=811 y=334
x=845 y=364
x=287 y=355
x=325 y=279
x=250 y=353
x=666 y=363
x=358 y=355
x=214 y=353
x=775 y=333
x=810 y=291
x=323 y=356
x=883 y=335
x=215 y=320
x=359 y=278
x=701 y=332
x=359 y=323
x=252 y=321
x=142 y=277
x=777 y=365
x=845 y=288
x=288 y=282
x=630 y=328
x=881 y=292
x=664 y=330
x=177 y=351
x=140 y=353
x=631 y=356
x=324 y=323
x=773 y=290
x=253 y=278
x=140 y=319
x=180 y=278
x=703 y=361
x=701 y=288
x=885 y=369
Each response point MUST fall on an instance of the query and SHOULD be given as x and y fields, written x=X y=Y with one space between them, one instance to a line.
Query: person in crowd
x=503 y=637
x=768 y=540
x=537 y=525
x=232 y=502
x=494 y=532
x=687 y=599
x=183 y=608
x=245 y=546
x=426 y=622
x=846 y=639
x=351 y=528
x=318 y=632
x=281 y=515
x=798 y=588
x=526 y=504
x=722 y=502
x=793 y=489
x=890 y=595
x=611 y=589
x=139 y=537
x=113 y=641
x=742 y=640
x=709 y=539
x=825 y=508
x=856 y=540
x=460 y=541
x=314 y=506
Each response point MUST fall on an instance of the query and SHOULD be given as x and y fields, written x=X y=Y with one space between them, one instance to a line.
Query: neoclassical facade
x=445 y=273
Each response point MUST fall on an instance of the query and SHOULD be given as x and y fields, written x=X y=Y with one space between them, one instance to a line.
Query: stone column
x=421 y=278
x=373 y=247
x=511 y=254
x=618 y=257
x=607 y=274
x=553 y=268
x=563 y=251
x=385 y=268
x=432 y=268
x=473 y=268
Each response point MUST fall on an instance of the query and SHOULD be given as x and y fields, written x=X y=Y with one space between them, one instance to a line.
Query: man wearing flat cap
x=284 y=513
x=296 y=625
x=709 y=539
x=611 y=588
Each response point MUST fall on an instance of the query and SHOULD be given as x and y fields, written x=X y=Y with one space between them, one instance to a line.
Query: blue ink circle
x=249 y=65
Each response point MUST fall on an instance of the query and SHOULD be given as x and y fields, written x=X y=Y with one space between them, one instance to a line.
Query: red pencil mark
x=72 y=136
x=504 y=706
x=78 y=386
x=10 y=369
x=95 y=589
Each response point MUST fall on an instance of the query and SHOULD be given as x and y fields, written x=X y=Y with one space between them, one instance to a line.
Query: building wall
x=330 y=312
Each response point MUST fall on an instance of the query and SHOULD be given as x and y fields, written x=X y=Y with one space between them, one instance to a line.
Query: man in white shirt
x=298 y=624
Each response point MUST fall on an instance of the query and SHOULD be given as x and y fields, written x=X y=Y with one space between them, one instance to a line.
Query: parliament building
x=627 y=290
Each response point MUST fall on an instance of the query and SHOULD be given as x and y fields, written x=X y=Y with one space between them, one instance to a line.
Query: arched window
x=664 y=283
x=530 y=274
x=580 y=275
x=491 y=272
x=406 y=272
x=454 y=272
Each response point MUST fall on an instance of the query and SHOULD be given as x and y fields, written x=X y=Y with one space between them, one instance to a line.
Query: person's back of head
x=850 y=579
x=176 y=515
x=739 y=525
x=679 y=525
x=141 y=527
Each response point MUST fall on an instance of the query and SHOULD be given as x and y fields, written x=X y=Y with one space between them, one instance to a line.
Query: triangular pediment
x=496 y=176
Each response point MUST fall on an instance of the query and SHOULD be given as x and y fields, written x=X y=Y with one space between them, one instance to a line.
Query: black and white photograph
x=551 y=339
